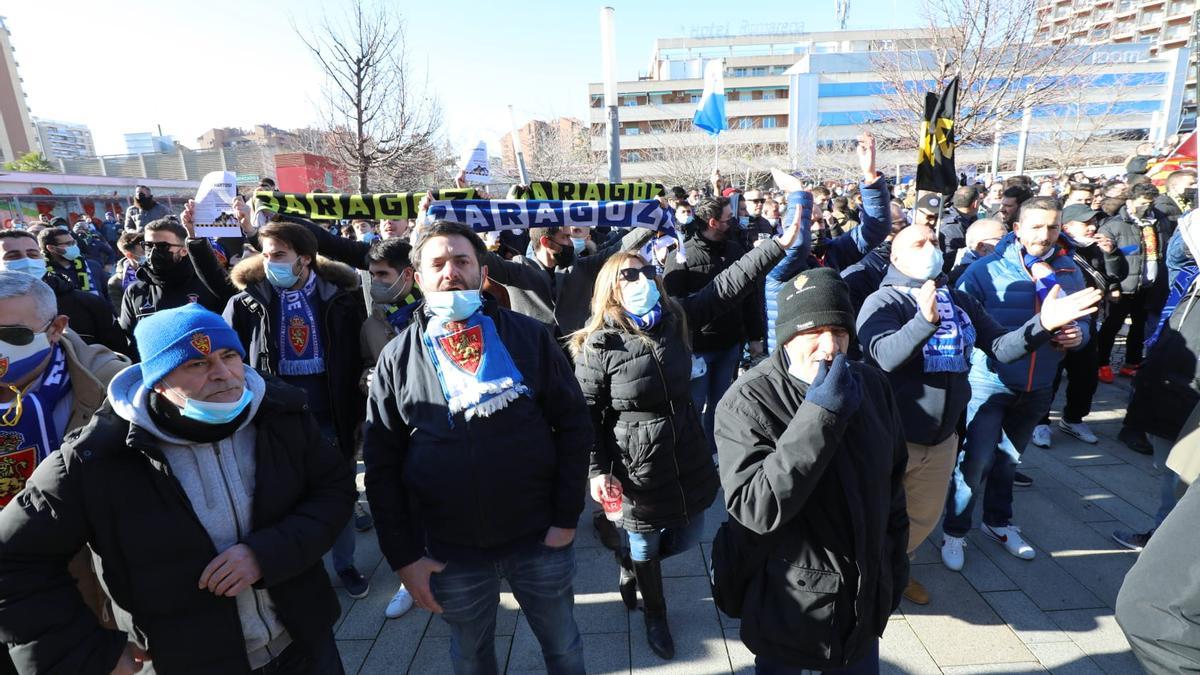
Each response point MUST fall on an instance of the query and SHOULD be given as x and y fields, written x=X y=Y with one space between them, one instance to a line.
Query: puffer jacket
x=638 y=390
x=828 y=493
x=1002 y=284
x=1125 y=230
x=705 y=260
x=795 y=261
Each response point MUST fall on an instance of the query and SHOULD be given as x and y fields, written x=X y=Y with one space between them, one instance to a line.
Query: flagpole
x=716 y=150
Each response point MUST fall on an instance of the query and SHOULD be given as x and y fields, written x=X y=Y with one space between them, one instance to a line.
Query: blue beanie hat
x=168 y=339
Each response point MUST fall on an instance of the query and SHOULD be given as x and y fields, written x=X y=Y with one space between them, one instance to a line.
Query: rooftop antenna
x=843 y=12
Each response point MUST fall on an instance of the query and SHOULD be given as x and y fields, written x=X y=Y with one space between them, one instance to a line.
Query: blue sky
x=129 y=66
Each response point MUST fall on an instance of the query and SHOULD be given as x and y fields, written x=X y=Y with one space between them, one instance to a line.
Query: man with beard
x=146 y=210
x=167 y=280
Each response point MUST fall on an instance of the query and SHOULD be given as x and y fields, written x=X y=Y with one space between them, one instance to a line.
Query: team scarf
x=477 y=374
x=130 y=275
x=300 y=350
x=81 y=273
x=1150 y=241
x=1043 y=274
x=399 y=315
x=492 y=215
x=592 y=192
x=28 y=433
x=334 y=206
x=648 y=320
x=949 y=349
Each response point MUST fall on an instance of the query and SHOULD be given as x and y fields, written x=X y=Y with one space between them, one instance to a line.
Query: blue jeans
x=540 y=578
x=1167 y=480
x=994 y=410
x=664 y=543
x=867 y=665
x=708 y=389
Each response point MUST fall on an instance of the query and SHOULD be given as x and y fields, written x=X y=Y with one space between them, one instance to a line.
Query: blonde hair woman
x=634 y=364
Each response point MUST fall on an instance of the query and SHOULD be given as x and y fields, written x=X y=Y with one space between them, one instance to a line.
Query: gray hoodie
x=218 y=479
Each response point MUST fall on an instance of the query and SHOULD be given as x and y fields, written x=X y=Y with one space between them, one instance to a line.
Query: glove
x=836 y=388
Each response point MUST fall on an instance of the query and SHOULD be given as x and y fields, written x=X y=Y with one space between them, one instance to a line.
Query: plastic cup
x=612 y=499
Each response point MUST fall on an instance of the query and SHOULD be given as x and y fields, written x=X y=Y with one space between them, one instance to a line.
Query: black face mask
x=163 y=268
x=820 y=243
x=564 y=256
x=144 y=201
x=1188 y=197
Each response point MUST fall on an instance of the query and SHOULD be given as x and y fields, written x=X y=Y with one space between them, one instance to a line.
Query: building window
x=759 y=71
x=632 y=131
x=768 y=95
x=746 y=123
x=633 y=157
x=768 y=123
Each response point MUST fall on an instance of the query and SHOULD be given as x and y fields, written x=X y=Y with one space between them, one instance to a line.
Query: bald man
x=921 y=333
x=982 y=237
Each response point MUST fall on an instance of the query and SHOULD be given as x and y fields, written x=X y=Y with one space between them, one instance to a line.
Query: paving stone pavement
x=999 y=615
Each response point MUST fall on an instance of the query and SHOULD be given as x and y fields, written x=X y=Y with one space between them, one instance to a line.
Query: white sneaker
x=1041 y=435
x=401 y=602
x=952 y=552
x=1078 y=430
x=1010 y=536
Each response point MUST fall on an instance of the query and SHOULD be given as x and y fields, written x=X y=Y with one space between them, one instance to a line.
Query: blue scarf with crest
x=477 y=374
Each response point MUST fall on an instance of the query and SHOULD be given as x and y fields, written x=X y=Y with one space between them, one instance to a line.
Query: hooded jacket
x=1002 y=284
x=151 y=512
x=893 y=334
x=252 y=315
x=828 y=490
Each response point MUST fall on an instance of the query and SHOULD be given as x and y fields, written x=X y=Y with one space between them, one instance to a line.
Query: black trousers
x=1137 y=307
x=1080 y=367
x=320 y=658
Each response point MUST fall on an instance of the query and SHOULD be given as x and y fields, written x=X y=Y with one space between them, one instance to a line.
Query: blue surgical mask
x=931 y=265
x=71 y=252
x=453 y=305
x=369 y=237
x=281 y=274
x=686 y=220
x=215 y=412
x=743 y=222
x=640 y=296
x=140 y=260
x=34 y=267
x=579 y=244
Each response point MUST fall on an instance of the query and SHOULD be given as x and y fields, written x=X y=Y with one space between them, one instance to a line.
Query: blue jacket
x=1003 y=285
x=875 y=222
x=793 y=263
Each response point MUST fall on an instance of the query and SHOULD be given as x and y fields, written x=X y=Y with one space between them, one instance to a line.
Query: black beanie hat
x=816 y=297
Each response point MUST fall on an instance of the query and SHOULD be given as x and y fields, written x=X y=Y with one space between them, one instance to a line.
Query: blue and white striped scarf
x=948 y=350
x=299 y=333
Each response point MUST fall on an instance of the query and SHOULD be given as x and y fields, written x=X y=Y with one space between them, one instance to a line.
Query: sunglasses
x=19 y=336
x=630 y=274
x=151 y=245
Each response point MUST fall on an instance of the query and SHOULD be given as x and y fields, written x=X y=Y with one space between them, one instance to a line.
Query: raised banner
x=591 y=192
x=490 y=215
x=334 y=206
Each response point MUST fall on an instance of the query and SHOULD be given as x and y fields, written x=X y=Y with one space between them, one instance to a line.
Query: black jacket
x=111 y=488
x=1167 y=386
x=831 y=490
x=638 y=389
x=145 y=297
x=252 y=314
x=88 y=315
x=456 y=489
x=1125 y=230
x=864 y=276
x=705 y=260
x=893 y=334
x=952 y=235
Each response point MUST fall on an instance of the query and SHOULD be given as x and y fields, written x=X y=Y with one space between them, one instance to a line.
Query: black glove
x=836 y=388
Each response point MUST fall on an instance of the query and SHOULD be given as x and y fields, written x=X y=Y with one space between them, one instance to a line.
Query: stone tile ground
x=1000 y=615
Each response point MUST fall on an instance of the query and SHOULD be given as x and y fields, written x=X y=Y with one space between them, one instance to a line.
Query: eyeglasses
x=630 y=274
x=151 y=245
x=19 y=336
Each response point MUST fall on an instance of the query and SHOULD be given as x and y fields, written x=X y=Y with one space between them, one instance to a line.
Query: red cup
x=611 y=501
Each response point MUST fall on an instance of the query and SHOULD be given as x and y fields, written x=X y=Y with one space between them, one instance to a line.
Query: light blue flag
x=710 y=113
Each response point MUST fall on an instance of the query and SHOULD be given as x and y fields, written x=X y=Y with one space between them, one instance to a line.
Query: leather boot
x=627 y=583
x=654 y=607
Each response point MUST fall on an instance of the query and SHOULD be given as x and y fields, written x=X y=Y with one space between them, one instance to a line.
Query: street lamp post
x=608 y=55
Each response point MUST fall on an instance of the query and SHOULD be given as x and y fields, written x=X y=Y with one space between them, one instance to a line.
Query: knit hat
x=168 y=339
x=815 y=297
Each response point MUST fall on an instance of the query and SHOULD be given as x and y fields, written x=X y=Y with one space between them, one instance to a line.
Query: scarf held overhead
x=477 y=374
x=592 y=192
x=334 y=206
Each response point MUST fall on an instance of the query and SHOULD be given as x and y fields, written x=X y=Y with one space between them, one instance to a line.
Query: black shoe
x=1135 y=441
x=627 y=583
x=362 y=520
x=610 y=536
x=356 y=584
x=1021 y=480
x=654 y=608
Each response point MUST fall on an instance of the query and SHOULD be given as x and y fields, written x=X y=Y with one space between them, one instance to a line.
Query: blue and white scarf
x=648 y=320
x=29 y=437
x=477 y=374
x=494 y=215
x=949 y=349
x=1043 y=278
x=299 y=335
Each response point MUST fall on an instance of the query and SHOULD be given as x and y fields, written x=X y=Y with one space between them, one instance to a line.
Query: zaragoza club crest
x=465 y=348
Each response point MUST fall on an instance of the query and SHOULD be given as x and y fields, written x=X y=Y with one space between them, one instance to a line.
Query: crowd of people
x=850 y=364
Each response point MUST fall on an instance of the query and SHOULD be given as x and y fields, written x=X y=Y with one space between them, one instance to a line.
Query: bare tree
x=989 y=45
x=686 y=157
x=558 y=151
x=381 y=125
x=1078 y=130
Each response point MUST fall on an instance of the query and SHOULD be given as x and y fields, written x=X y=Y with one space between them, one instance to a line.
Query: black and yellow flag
x=935 y=161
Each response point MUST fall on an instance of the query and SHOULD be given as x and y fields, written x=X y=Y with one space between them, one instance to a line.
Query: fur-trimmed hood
x=250 y=273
